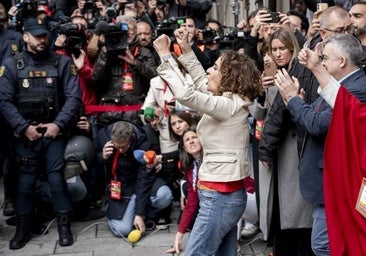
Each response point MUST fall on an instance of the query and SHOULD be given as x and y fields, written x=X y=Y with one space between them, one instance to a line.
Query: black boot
x=64 y=231
x=22 y=234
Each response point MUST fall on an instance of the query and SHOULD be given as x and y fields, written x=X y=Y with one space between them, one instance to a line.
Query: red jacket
x=191 y=208
x=85 y=81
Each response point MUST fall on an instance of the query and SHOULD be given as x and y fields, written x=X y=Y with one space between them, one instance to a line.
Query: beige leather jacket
x=223 y=129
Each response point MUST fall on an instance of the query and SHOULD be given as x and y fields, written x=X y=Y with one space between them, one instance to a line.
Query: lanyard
x=115 y=163
x=166 y=110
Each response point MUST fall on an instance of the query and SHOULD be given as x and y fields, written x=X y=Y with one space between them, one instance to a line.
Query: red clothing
x=191 y=207
x=223 y=187
x=85 y=81
x=344 y=169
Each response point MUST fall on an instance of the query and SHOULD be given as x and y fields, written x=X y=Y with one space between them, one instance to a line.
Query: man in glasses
x=341 y=65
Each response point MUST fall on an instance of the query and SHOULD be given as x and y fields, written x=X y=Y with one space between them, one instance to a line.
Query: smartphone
x=270 y=68
x=275 y=18
x=321 y=6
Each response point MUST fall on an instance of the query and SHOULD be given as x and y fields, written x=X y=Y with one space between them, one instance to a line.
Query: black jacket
x=134 y=176
x=67 y=83
x=279 y=120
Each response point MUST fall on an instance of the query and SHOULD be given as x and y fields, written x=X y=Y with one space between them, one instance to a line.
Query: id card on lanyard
x=127 y=77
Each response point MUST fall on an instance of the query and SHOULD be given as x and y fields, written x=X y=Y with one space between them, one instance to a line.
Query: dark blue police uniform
x=39 y=88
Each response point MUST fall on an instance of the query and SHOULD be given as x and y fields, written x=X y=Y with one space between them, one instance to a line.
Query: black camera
x=230 y=40
x=161 y=3
x=27 y=9
x=116 y=39
x=89 y=6
x=210 y=36
x=167 y=26
x=110 y=14
x=76 y=38
x=275 y=18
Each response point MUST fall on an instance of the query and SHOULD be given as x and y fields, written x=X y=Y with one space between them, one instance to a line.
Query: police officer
x=39 y=96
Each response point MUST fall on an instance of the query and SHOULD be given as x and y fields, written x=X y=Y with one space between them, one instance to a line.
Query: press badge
x=127 y=82
x=116 y=189
x=361 y=200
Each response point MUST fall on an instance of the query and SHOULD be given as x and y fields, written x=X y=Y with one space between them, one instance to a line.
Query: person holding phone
x=290 y=226
x=134 y=193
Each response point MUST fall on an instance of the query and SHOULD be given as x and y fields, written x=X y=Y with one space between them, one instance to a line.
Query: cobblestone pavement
x=94 y=239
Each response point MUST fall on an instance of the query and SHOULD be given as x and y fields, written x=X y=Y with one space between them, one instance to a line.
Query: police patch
x=14 y=48
x=74 y=70
x=2 y=69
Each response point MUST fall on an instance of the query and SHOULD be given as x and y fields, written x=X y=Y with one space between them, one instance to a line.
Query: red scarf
x=344 y=169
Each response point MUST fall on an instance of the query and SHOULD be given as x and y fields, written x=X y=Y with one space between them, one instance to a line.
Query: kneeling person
x=133 y=190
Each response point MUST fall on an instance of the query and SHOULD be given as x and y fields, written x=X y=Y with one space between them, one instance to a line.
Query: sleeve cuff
x=329 y=93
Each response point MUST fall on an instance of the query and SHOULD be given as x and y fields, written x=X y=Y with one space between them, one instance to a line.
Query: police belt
x=95 y=109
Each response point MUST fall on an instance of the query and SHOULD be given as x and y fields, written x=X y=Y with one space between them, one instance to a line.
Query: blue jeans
x=124 y=226
x=319 y=234
x=214 y=231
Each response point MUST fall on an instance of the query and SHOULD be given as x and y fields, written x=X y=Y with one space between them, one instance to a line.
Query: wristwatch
x=166 y=58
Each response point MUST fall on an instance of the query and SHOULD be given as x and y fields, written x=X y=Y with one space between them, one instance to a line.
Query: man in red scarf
x=344 y=154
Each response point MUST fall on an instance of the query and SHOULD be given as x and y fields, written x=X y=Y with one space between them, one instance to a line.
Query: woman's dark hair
x=185 y=116
x=185 y=158
x=265 y=48
x=239 y=75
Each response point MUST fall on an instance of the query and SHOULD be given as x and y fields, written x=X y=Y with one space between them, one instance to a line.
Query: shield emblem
x=14 y=48
x=73 y=69
x=2 y=69
x=25 y=83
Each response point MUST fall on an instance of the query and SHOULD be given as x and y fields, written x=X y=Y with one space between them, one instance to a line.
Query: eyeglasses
x=349 y=29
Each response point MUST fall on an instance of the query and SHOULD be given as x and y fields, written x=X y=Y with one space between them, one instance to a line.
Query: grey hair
x=126 y=19
x=348 y=46
x=121 y=131
x=325 y=21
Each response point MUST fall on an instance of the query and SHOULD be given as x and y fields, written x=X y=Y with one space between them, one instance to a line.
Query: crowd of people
x=118 y=108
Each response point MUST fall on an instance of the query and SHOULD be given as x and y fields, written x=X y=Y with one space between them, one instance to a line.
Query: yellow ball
x=134 y=236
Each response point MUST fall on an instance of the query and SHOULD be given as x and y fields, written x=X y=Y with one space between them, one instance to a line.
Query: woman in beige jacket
x=223 y=96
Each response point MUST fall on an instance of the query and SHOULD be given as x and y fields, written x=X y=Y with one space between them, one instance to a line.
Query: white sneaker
x=249 y=230
x=162 y=224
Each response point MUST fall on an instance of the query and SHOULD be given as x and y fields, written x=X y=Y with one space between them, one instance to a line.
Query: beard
x=359 y=31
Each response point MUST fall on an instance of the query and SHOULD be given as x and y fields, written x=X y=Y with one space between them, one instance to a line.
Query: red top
x=223 y=187
x=192 y=205
x=85 y=81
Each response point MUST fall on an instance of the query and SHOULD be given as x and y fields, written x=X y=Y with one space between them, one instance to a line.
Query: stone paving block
x=33 y=248
x=74 y=254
